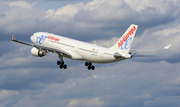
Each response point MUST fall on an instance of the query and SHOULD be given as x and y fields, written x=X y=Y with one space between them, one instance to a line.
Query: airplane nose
x=32 y=38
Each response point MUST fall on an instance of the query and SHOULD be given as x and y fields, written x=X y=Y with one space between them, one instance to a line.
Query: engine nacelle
x=37 y=53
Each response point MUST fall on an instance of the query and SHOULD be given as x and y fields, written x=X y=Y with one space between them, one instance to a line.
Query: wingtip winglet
x=13 y=37
x=168 y=46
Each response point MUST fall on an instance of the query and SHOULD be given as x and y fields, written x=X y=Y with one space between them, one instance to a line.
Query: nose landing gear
x=89 y=66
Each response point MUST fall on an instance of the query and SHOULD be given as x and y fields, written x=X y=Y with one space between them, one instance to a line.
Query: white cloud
x=147 y=102
x=168 y=31
x=95 y=76
x=118 y=85
x=94 y=102
x=94 y=4
x=69 y=9
x=176 y=81
x=80 y=19
x=141 y=5
x=22 y=4
x=6 y=93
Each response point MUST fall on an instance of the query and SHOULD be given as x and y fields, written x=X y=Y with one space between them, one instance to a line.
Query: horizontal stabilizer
x=151 y=49
x=144 y=56
x=168 y=46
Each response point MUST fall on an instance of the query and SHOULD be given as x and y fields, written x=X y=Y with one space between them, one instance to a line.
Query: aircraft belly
x=95 y=58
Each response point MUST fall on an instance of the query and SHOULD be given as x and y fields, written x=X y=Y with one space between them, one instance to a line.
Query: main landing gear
x=89 y=65
x=64 y=66
x=61 y=62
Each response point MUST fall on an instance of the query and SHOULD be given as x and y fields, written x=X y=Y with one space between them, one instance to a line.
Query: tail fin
x=125 y=42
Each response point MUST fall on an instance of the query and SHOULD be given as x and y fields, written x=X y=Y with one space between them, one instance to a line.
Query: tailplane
x=125 y=42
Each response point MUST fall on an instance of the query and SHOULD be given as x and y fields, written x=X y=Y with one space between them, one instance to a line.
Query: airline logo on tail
x=124 y=38
x=127 y=44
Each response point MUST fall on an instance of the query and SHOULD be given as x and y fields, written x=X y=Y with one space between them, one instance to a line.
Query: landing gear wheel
x=61 y=66
x=65 y=66
x=93 y=67
x=86 y=63
x=58 y=62
x=89 y=65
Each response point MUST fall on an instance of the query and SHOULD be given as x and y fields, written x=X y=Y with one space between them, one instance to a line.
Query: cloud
x=22 y=4
x=135 y=84
x=5 y=95
x=95 y=102
x=77 y=20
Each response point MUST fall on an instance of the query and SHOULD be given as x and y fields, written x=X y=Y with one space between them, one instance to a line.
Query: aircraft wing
x=152 y=49
x=57 y=49
x=54 y=50
x=25 y=43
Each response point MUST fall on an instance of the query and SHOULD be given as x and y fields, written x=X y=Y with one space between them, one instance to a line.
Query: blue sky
x=139 y=82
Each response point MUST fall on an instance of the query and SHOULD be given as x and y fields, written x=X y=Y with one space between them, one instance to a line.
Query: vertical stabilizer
x=125 y=42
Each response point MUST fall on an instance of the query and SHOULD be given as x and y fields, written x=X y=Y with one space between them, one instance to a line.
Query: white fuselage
x=79 y=50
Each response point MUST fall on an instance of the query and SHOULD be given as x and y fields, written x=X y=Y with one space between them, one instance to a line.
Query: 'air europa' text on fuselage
x=53 y=38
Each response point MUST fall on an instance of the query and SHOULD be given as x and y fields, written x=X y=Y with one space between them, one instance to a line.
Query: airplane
x=44 y=42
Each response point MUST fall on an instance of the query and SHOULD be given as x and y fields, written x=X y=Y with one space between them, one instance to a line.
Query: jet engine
x=36 y=52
